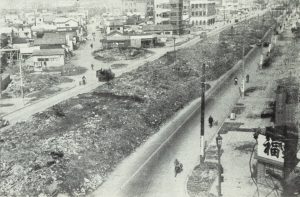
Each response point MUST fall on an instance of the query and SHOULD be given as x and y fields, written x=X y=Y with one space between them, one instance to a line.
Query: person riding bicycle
x=178 y=167
x=235 y=81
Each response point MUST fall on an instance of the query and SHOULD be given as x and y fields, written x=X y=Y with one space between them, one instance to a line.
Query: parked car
x=105 y=75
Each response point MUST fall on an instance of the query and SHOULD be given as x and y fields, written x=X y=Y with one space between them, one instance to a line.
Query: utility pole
x=202 y=114
x=21 y=77
x=0 y=69
x=174 y=39
x=243 y=78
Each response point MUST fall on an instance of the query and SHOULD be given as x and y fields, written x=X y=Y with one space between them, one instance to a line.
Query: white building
x=203 y=12
x=66 y=23
x=44 y=58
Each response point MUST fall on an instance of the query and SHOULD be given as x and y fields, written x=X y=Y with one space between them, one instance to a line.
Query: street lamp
x=219 y=145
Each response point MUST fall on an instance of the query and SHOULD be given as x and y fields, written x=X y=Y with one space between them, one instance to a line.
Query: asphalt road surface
x=151 y=173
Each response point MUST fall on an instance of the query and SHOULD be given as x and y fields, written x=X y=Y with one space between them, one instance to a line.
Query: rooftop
x=158 y=27
x=18 y=40
x=48 y=52
x=51 y=39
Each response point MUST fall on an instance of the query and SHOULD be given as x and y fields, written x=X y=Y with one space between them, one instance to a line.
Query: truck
x=105 y=75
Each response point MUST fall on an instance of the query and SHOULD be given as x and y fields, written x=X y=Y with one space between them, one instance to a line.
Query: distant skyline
x=15 y=4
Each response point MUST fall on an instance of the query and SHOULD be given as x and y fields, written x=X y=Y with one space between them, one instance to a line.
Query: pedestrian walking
x=92 y=66
x=92 y=46
x=83 y=80
x=210 y=121
x=247 y=78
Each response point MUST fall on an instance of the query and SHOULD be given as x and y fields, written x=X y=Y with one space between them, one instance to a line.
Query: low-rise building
x=114 y=26
x=66 y=24
x=50 y=41
x=166 y=30
x=116 y=39
x=18 y=43
x=45 y=58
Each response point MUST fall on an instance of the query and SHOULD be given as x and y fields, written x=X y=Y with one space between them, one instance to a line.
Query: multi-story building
x=134 y=6
x=150 y=8
x=169 y=12
x=231 y=5
x=203 y=12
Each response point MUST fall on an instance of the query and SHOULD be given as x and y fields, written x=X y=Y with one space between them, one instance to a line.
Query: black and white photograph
x=149 y=98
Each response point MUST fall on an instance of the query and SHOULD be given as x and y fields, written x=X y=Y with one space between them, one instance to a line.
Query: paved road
x=84 y=58
x=154 y=176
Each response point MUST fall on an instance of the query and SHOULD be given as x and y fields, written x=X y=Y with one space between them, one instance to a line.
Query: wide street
x=84 y=58
x=150 y=170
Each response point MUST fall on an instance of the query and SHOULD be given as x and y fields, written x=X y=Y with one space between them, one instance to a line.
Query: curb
x=37 y=101
x=214 y=88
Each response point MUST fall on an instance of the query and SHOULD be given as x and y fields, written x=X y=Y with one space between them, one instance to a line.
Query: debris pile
x=72 y=147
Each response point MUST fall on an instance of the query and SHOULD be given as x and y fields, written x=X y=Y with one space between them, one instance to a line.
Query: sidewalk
x=238 y=141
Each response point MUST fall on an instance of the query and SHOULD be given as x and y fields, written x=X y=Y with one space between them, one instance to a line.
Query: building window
x=197 y=13
x=196 y=6
x=204 y=13
x=173 y=14
x=193 y=13
x=200 y=5
x=196 y=22
x=193 y=5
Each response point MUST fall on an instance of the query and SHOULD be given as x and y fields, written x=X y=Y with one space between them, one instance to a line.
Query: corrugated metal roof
x=51 y=39
x=47 y=52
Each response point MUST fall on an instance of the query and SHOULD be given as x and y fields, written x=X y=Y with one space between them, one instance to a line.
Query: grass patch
x=201 y=180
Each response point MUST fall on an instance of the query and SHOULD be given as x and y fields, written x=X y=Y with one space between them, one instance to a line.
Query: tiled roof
x=17 y=40
x=47 y=52
x=50 y=39
x=158 y=28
